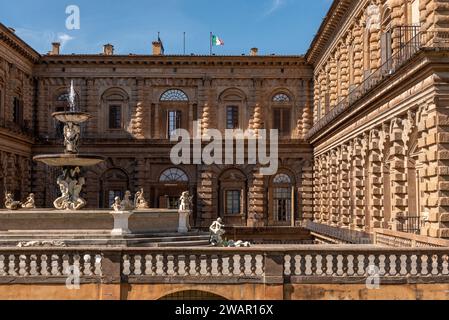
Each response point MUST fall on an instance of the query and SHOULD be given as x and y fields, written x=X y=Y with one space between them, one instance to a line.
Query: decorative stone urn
x=121 y=223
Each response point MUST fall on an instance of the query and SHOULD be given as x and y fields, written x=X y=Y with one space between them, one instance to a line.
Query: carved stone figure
x=127 y=204
x=30 y=203
x=71 y=137
x=35 y=244
x=217 y=232
x=10 y=204
x=185 y=202
x=70 y=183
x=139 y=201
x=117 y=205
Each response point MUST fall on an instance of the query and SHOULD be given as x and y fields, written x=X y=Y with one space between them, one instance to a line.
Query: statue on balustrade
x=217 y=232
x=139 y=201
x=127 y=203
x=185 y=202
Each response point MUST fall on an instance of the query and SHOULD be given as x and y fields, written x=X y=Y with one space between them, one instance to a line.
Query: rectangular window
x=416 y=19
x=115 y=117
x=232 y=117
x=174 y=121
x=281 y=121
x=282 y=204
x=17 y=113
x=233 y=202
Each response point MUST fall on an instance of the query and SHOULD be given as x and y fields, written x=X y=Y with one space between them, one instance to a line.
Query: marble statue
x=127 y=204
x=71 y=137
x=10 y=204
x=185 y=202
x=70 y=184
x=217 y=232
x=139 y=201
x=117 y=205
x=30 y=203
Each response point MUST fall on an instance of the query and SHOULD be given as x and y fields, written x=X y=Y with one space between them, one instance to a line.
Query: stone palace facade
x=362 y=118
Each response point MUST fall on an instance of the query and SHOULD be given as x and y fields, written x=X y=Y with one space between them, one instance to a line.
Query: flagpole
x=210 y=43
x=184 y=43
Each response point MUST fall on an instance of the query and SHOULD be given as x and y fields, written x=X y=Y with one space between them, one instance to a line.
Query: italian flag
x=216 y=41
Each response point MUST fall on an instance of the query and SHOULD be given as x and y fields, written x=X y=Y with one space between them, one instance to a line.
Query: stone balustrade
x=396 y=239
x=269 y=265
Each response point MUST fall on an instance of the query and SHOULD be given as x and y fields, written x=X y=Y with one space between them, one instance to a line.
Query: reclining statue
x=30 y=203
x=10 y=204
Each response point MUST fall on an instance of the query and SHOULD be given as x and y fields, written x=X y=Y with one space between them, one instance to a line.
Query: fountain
x=70 y=181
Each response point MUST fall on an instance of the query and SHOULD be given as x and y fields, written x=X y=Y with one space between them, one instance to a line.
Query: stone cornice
x=328 y=27
x=17 y=44
x=178 y=61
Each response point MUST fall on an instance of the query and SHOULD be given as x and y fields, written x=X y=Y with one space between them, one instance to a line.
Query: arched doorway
x=192 y=295
x=172 y=183
x=114 y=183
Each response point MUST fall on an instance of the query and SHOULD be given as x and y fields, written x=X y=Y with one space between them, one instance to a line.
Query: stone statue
x=71 y=137
x=217 y=232
x=185 y=202
x=127 y=204
x=139 y=201
x=117 y=205
x=70 y=183
x=10 y=204
x=30 y=203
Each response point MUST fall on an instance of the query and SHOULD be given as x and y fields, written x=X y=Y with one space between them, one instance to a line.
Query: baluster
x=242 y=266
x=220 y=265
x=60 y=264
x=209 y=265
x=81 y=264
x=408 y=264
x=187 y=265
x=164 y=264
x=253 y=265
x=38 y=268
x=231 y=265
x=197 y=265
x=398 y=266
x=92 y=264
x=154 y=264
x=27 y=267
x=302 y=265
x=376 y=262
x=292 y=264
x=143 y=265
x=16 y=265
x=387 y=264
x=175 y=264
x=5 y=267
x=132 y=265
x=335 y=265
x=314 y=264
x=70 y=264
x=345 y=265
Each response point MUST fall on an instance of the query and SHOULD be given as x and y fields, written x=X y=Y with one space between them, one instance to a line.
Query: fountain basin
x=74 y=117
x=70 y=160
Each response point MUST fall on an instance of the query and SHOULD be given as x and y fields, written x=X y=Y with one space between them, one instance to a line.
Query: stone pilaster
x=398 y=169
x=334 y=188
x=318 y=194
x=307 y=113
x=376 y=179
x=358 y=54
x=138 y=113
x=333 y=79
x=256 y=200
x=345 y=178
x=306 y=191
x=359 y=158
x=325 y=189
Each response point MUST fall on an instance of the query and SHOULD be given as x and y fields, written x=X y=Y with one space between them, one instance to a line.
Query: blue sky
x=274 y=26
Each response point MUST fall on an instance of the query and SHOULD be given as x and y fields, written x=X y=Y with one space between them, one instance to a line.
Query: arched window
x=174 y=95
x=115 y=104
x=281 y=97
x=174 y=175
x=282 y=199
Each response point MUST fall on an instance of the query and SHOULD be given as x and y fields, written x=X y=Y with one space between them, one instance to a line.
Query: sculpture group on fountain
x=70 y=184
x=11 y=204
x=217 y=232
x=127 y=204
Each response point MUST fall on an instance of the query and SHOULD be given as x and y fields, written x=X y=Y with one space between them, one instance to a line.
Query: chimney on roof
x=157 y=48
x=55 y=49
x=254 y=52
x=108 y=49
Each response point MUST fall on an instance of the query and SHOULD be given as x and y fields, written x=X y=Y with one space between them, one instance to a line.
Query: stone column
x=307 y=113
x=256 y=200
x=333 y=79
x=344 y=67
x=206 y=197
x=317 y=189
x=138 y=113
x=325 y=189
x=358 y=54
x=316 y=99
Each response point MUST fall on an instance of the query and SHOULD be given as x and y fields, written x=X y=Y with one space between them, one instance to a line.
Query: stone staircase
x=94 y=238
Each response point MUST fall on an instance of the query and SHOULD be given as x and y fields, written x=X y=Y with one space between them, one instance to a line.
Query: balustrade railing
x=301 y=264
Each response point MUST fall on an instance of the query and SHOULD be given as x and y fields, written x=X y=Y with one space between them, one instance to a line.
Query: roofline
x=18 y=44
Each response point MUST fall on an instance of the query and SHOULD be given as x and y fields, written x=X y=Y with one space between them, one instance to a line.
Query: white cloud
x=275 y=5
x=64 y=38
